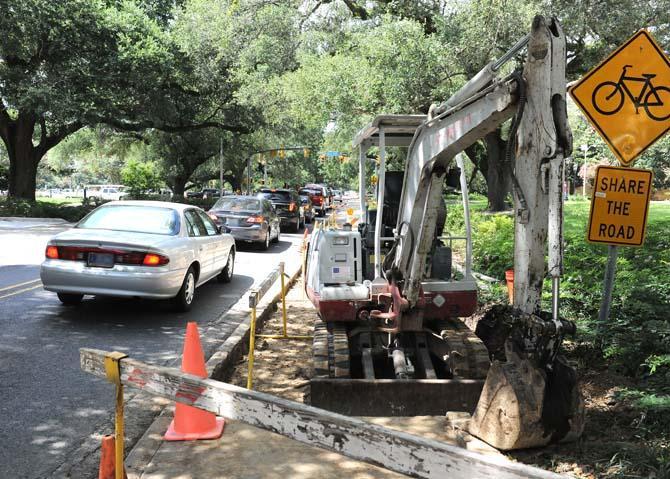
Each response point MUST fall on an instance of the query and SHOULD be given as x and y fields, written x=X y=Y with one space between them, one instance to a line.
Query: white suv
x=112 y=194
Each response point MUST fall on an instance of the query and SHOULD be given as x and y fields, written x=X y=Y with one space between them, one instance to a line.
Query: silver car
x=248 y=218
x=148 y=249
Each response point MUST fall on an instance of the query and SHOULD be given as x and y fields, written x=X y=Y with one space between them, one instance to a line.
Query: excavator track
x=320 y=350
x=331 y=351
x=468 y=356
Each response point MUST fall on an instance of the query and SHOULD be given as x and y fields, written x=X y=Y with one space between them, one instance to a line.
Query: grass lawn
x=576 y=215
x=59 y=201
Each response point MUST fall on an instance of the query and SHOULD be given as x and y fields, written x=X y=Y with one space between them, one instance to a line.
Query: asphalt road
x=47 y=404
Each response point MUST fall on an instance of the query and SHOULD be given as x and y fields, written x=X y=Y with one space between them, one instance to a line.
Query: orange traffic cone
x=107 y=462
x=191 y=423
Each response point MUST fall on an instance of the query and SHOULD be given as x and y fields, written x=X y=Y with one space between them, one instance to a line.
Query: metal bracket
x=113 y=367
x=523 y=215
x=545 y=169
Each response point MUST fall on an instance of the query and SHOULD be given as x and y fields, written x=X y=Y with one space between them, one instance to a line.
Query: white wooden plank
x=394 y=450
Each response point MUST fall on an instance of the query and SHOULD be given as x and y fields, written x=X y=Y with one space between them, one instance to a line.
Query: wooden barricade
x=354 y=438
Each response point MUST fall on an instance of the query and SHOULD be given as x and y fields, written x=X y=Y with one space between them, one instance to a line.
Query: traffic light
x=282 y=153
x=305 y=152
x=322 y=157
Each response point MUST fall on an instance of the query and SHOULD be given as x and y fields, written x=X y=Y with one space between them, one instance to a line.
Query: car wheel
x=69 y=299
x=226 y=273
x=184 y=299
x=266 y=242
x=276 y=239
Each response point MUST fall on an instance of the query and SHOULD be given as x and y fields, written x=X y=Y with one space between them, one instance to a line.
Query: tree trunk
x=234 y=181
x=498 y=177
x=23 y=173
x=178 y=186
x=23 y=157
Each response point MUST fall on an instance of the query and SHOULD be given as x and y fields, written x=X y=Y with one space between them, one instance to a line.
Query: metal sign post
x=618 y=216
x=608 y=286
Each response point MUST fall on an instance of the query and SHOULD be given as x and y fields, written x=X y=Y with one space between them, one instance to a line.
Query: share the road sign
x=627 y=97
x=619 y=206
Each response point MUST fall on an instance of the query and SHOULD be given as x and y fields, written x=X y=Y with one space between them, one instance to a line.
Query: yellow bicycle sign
x=627 y=97
x=608 y=97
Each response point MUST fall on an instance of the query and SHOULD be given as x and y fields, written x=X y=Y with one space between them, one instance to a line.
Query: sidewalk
x=281 y=368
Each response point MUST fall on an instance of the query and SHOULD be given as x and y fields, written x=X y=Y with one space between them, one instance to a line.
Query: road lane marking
x=18 y=284
x=20 y=291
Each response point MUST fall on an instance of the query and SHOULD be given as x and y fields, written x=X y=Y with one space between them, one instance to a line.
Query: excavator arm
x=434 y=147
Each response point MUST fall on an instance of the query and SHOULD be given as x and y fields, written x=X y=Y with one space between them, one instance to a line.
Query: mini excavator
x=390 y=338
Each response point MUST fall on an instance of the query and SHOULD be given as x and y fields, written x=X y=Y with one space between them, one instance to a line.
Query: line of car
x=165 y=250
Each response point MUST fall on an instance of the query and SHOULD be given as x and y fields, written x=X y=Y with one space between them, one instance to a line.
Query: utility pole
x=249 y=175
x=221 y=168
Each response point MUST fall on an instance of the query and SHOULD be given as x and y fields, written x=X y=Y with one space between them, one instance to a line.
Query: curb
x=222 y=359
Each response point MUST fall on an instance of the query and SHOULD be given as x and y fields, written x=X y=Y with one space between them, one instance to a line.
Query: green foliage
x=4 y=176
x=493 y=244
x=42 y=209
x=636 y=337
x=139 y=176
x=639 y=325
x=656 y=362
x=204 y=203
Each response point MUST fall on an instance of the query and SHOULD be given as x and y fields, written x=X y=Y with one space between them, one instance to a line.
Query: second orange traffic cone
x=191 y=423
x=107 y=468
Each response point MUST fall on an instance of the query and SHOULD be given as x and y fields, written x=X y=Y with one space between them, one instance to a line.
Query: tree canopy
x=179 y=77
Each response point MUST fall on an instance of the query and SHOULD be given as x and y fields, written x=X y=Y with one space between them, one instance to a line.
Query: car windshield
x=275 y=195
x=135 y=218
x=309 y=191
x=237 y=204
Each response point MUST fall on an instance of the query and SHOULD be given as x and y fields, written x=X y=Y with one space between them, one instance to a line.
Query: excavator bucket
x=525 y=406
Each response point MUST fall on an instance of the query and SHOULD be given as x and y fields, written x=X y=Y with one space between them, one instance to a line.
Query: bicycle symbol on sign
x=608 y=96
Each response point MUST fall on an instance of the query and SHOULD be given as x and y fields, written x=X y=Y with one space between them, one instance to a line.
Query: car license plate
x=100 y=260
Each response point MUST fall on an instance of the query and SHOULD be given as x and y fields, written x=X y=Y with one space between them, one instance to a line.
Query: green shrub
x=493 y=244
x=43 y=209
x=204 y=203
x=636 y=337
x=638 y=328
